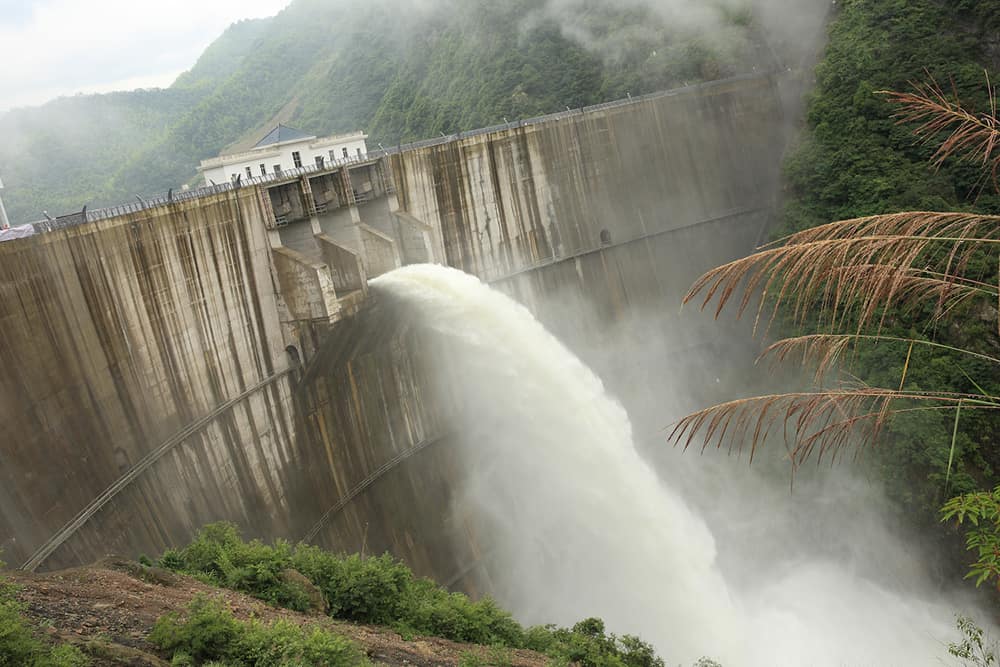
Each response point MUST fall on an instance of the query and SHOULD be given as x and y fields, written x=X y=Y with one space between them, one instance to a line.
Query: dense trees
x=331 y=66
x=926 y=377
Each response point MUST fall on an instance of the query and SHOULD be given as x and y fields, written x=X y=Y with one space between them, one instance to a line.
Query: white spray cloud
x=718 y=561
x=792 y=26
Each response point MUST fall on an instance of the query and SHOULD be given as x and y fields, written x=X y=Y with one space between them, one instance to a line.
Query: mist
x=700 y=555
x=792 y=28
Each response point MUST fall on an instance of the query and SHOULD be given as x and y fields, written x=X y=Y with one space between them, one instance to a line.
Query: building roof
x=281 y=134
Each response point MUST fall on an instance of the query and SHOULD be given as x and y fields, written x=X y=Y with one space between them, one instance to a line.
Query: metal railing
x=147 y=203
x=146 y=462
x=143 y=204
x=569 y=113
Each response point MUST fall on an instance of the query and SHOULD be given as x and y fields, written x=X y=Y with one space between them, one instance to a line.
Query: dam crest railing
x=171 y=197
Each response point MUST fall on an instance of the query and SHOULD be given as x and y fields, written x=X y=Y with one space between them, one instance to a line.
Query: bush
x=432 y=610
x=366 y=590
x=210 y=633
x=207 y=633
x=19 y=645
x=381 y=591
x=219 y=556
x=588 y=644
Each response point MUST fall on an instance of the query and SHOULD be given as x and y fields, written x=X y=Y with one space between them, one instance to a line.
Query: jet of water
x=577 y=524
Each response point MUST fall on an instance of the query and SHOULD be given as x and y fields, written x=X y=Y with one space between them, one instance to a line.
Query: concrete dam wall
x=118 y=336
x=516 y=199
x=220 y=357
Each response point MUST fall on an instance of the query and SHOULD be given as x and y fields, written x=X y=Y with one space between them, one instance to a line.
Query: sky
x=51 y=48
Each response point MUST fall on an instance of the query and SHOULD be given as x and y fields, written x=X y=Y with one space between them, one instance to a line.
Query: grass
x=20 y=643
x=210 y=634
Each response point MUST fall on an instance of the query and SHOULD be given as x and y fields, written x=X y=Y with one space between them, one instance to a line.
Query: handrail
x=84 y=515
x=569 y=113
x=372 y=156
x=367 y=482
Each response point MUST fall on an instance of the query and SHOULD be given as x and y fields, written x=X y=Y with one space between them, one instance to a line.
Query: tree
x=848 y=282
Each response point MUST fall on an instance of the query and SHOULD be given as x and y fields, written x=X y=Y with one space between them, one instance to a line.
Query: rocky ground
x=109 y=608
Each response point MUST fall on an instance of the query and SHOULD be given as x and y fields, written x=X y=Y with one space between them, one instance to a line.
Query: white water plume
x=576 y=524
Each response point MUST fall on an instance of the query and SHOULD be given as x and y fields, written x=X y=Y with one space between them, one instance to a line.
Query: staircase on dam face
x=215 y=355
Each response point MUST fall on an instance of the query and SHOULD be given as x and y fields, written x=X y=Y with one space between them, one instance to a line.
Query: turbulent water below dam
x=577 y=524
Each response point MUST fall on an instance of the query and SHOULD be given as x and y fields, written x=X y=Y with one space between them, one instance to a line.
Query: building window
x=359 y=152
x=296 y=159
x=277 y=168
x=263 y=170
x=333 y=156
x=320 y=160
x=249 y=172
x=345 y=153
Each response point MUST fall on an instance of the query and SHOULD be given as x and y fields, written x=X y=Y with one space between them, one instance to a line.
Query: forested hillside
x=396 y=69
x=856 y=160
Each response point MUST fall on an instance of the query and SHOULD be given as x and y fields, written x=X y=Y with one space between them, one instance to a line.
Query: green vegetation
x=856 y=160
x=910 y=313
x=330 y=66
x=209 y=632
x=20 y=645
x=383 y=591
x=974 y=648
x=982 y=537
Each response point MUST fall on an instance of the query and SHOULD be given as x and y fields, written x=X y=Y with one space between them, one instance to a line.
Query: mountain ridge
x=330 y=67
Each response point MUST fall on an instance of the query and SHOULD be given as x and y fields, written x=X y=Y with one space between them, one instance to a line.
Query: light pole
x=4 y=222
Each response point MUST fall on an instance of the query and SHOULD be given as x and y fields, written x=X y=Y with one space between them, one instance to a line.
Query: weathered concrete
x=650 y=195
x=118 y=335
x=514 y=199
x=134 y=340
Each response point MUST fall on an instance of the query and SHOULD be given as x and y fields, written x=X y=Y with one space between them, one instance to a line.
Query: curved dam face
x=219 y=356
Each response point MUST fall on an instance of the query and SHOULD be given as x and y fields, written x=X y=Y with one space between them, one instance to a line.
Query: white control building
x=285 y=149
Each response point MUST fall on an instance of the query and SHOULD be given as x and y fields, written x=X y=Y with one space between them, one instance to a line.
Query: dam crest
x=218 y=354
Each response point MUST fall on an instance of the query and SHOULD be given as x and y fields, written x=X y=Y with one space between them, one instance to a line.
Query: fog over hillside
x=333 y=66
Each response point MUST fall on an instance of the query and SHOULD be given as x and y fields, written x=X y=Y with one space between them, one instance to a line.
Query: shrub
x=366 y=590
x=171 y=560
x=383 y=591
x=219 y=556
x=432 y=610
x=210 y=633
x=63 y=655
x=19 y=645
x=207 y=633
x=588 y=644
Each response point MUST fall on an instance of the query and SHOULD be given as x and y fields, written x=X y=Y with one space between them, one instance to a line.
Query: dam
x=220 y=355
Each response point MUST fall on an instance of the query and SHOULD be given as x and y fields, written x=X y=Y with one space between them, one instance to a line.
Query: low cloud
x=62 y=47
x=793 y=26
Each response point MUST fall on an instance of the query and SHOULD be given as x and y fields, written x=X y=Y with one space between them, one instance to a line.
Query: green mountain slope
x=399 y=70
x=224 y=55
x=856 y=160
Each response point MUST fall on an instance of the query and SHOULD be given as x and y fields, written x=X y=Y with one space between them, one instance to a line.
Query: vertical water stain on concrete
x=120 y=333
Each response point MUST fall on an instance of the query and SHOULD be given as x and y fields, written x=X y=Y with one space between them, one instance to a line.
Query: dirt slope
x=110 y=607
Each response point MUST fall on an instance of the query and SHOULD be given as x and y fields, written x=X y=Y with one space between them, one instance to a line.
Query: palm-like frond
x=821 y=422
x=825 y=351
x=854 y=269
x=968 y=135
x=848 y=276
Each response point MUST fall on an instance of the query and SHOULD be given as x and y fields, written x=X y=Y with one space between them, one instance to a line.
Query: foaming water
x=577 y=524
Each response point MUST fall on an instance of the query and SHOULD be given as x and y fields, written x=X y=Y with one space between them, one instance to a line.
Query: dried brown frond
x=823 y=422
x=908 y=224
x=968 y=135
x=825 y=351
x=851 y=271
